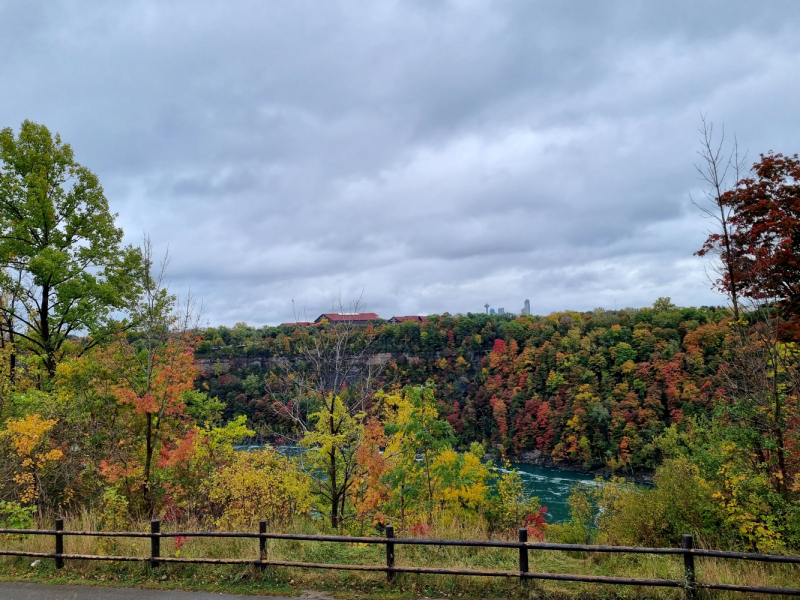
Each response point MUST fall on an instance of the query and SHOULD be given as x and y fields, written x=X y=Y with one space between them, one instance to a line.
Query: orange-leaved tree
x=152 y=366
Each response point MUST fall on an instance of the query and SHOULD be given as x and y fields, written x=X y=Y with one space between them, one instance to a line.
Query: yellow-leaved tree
x=28 y=437
x=331 y=459
x=743 y=503
x=461 y=479
x=418 y=475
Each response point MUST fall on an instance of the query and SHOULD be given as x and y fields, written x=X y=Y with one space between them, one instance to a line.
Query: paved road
x=36 y=591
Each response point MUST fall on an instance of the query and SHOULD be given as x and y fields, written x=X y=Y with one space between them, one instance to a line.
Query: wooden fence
x=689 y=582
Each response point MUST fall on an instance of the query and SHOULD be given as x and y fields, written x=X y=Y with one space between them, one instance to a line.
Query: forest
x=516 y=384
x=117 y=407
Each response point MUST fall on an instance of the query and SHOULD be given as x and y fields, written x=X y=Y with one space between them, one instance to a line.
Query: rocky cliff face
x=209 y=365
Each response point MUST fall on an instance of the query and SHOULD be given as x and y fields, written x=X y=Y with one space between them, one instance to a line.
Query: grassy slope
x=283 y=581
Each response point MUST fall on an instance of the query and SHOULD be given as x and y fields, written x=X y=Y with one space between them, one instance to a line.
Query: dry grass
x=284 y=580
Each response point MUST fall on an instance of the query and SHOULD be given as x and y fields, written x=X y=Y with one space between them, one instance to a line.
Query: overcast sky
x=436 y=155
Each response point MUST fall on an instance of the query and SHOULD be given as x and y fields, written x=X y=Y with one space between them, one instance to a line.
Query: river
x=551 y=486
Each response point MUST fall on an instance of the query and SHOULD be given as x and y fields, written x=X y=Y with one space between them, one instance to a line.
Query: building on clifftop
x=356 y=318
x=415 y=319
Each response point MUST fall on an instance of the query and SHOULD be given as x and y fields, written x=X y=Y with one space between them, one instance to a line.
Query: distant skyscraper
x=501 y=311
x=491 y=311
x=527 y=309
x=487 y=308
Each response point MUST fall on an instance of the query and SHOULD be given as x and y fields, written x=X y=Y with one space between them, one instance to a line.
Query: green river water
x=552 y=487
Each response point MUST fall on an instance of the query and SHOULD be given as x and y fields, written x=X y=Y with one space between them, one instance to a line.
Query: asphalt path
x=38 y=591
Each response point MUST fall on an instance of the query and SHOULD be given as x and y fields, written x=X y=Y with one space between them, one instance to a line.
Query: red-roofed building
x=415 y=319
x=357 y=318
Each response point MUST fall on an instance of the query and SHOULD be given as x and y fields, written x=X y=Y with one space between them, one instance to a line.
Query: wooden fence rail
x=688 y=551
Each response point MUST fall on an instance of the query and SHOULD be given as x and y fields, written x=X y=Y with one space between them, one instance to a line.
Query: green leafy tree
x=332 y=458
x=664 y=304
x=418 y=437
x=61 y=260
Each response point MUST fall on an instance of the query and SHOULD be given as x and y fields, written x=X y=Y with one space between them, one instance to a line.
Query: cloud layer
x=436 y=155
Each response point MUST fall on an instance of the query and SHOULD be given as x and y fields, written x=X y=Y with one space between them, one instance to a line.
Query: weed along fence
x=690 y=583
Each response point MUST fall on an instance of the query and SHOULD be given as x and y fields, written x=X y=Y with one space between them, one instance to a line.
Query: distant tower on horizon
x=491 y=311
x=487 y=308
x=527 y=309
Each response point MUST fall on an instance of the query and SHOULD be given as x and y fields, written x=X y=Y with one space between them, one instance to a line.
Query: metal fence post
x=59 y=543
x=389 y=553
x=688 y=567
x=523 y=554
x=155 y=542
x=262 y=542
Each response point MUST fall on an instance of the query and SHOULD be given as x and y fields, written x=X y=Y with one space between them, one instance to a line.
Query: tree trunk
x=430 y=489
x=334 y=489
x=781 y=464
x=733 y=292
x=147 y=463
x=403 y=506
x=44 y=326
x=778 y=431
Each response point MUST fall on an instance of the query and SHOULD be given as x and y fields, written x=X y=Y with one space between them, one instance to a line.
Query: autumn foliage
x=415 y=423
x=764 y=255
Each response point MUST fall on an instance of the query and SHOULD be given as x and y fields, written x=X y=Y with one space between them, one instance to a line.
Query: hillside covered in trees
x=586 y=389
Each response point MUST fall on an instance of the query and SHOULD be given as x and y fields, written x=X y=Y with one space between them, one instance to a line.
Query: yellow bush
x=28 y=436
x=257 y=485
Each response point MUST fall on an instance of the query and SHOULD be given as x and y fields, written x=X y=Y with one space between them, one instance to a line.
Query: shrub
x=680 y=502
x=623 y=513
x=113 y=513
x=257 y=485
x=15 y=516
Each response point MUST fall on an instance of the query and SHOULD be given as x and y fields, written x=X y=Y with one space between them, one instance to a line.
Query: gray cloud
x=436 y=155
